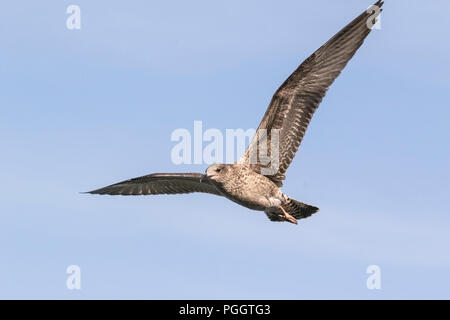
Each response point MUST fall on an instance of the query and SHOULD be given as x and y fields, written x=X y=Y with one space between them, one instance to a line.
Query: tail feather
x=297 y=209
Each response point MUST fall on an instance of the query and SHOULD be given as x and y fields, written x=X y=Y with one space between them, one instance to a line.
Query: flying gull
x=250 y=182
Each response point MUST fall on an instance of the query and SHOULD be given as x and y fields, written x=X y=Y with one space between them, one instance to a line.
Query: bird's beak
x=204 y=179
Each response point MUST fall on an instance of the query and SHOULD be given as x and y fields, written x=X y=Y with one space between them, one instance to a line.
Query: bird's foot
x=288 y=217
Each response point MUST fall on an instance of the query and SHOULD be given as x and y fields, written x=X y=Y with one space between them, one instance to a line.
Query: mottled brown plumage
x=288 y=115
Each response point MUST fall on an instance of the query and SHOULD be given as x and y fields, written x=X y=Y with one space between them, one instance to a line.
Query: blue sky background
x=81 y=109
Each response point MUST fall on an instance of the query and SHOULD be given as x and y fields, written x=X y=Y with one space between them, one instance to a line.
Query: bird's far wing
x=160 y=183
x=294 y=103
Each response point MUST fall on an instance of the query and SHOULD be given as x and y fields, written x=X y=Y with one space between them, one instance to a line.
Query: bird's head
x=217 y=172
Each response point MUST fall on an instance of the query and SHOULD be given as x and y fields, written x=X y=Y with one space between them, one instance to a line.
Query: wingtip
x=379 y=3
x=90 y=192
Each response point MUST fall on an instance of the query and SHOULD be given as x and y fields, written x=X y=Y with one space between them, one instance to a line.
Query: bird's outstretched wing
x=294 y=103
x=160 y=183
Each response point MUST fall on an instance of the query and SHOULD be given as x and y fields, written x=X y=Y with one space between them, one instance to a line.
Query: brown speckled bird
x=289 y=114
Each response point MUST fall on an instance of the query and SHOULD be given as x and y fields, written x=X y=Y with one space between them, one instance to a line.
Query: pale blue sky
x=85 y=108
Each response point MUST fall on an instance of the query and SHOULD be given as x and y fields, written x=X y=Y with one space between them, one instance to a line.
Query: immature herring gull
x=249 y=182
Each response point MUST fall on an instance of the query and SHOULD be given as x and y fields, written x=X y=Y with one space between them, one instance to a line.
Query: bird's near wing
x=294 y=103
x=160 y=183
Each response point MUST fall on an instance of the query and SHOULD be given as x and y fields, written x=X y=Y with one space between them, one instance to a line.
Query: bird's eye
x=218 y=170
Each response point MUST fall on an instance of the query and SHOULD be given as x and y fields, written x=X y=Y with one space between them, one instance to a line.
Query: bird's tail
x=297 y=209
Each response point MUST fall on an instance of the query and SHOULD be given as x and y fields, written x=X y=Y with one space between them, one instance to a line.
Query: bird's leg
x=288 y=217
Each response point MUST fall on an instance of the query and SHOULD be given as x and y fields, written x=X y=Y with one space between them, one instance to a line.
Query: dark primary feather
x=295 y=102
x=160 y=183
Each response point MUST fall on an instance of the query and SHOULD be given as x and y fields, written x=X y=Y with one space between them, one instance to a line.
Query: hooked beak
x=204 y=179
